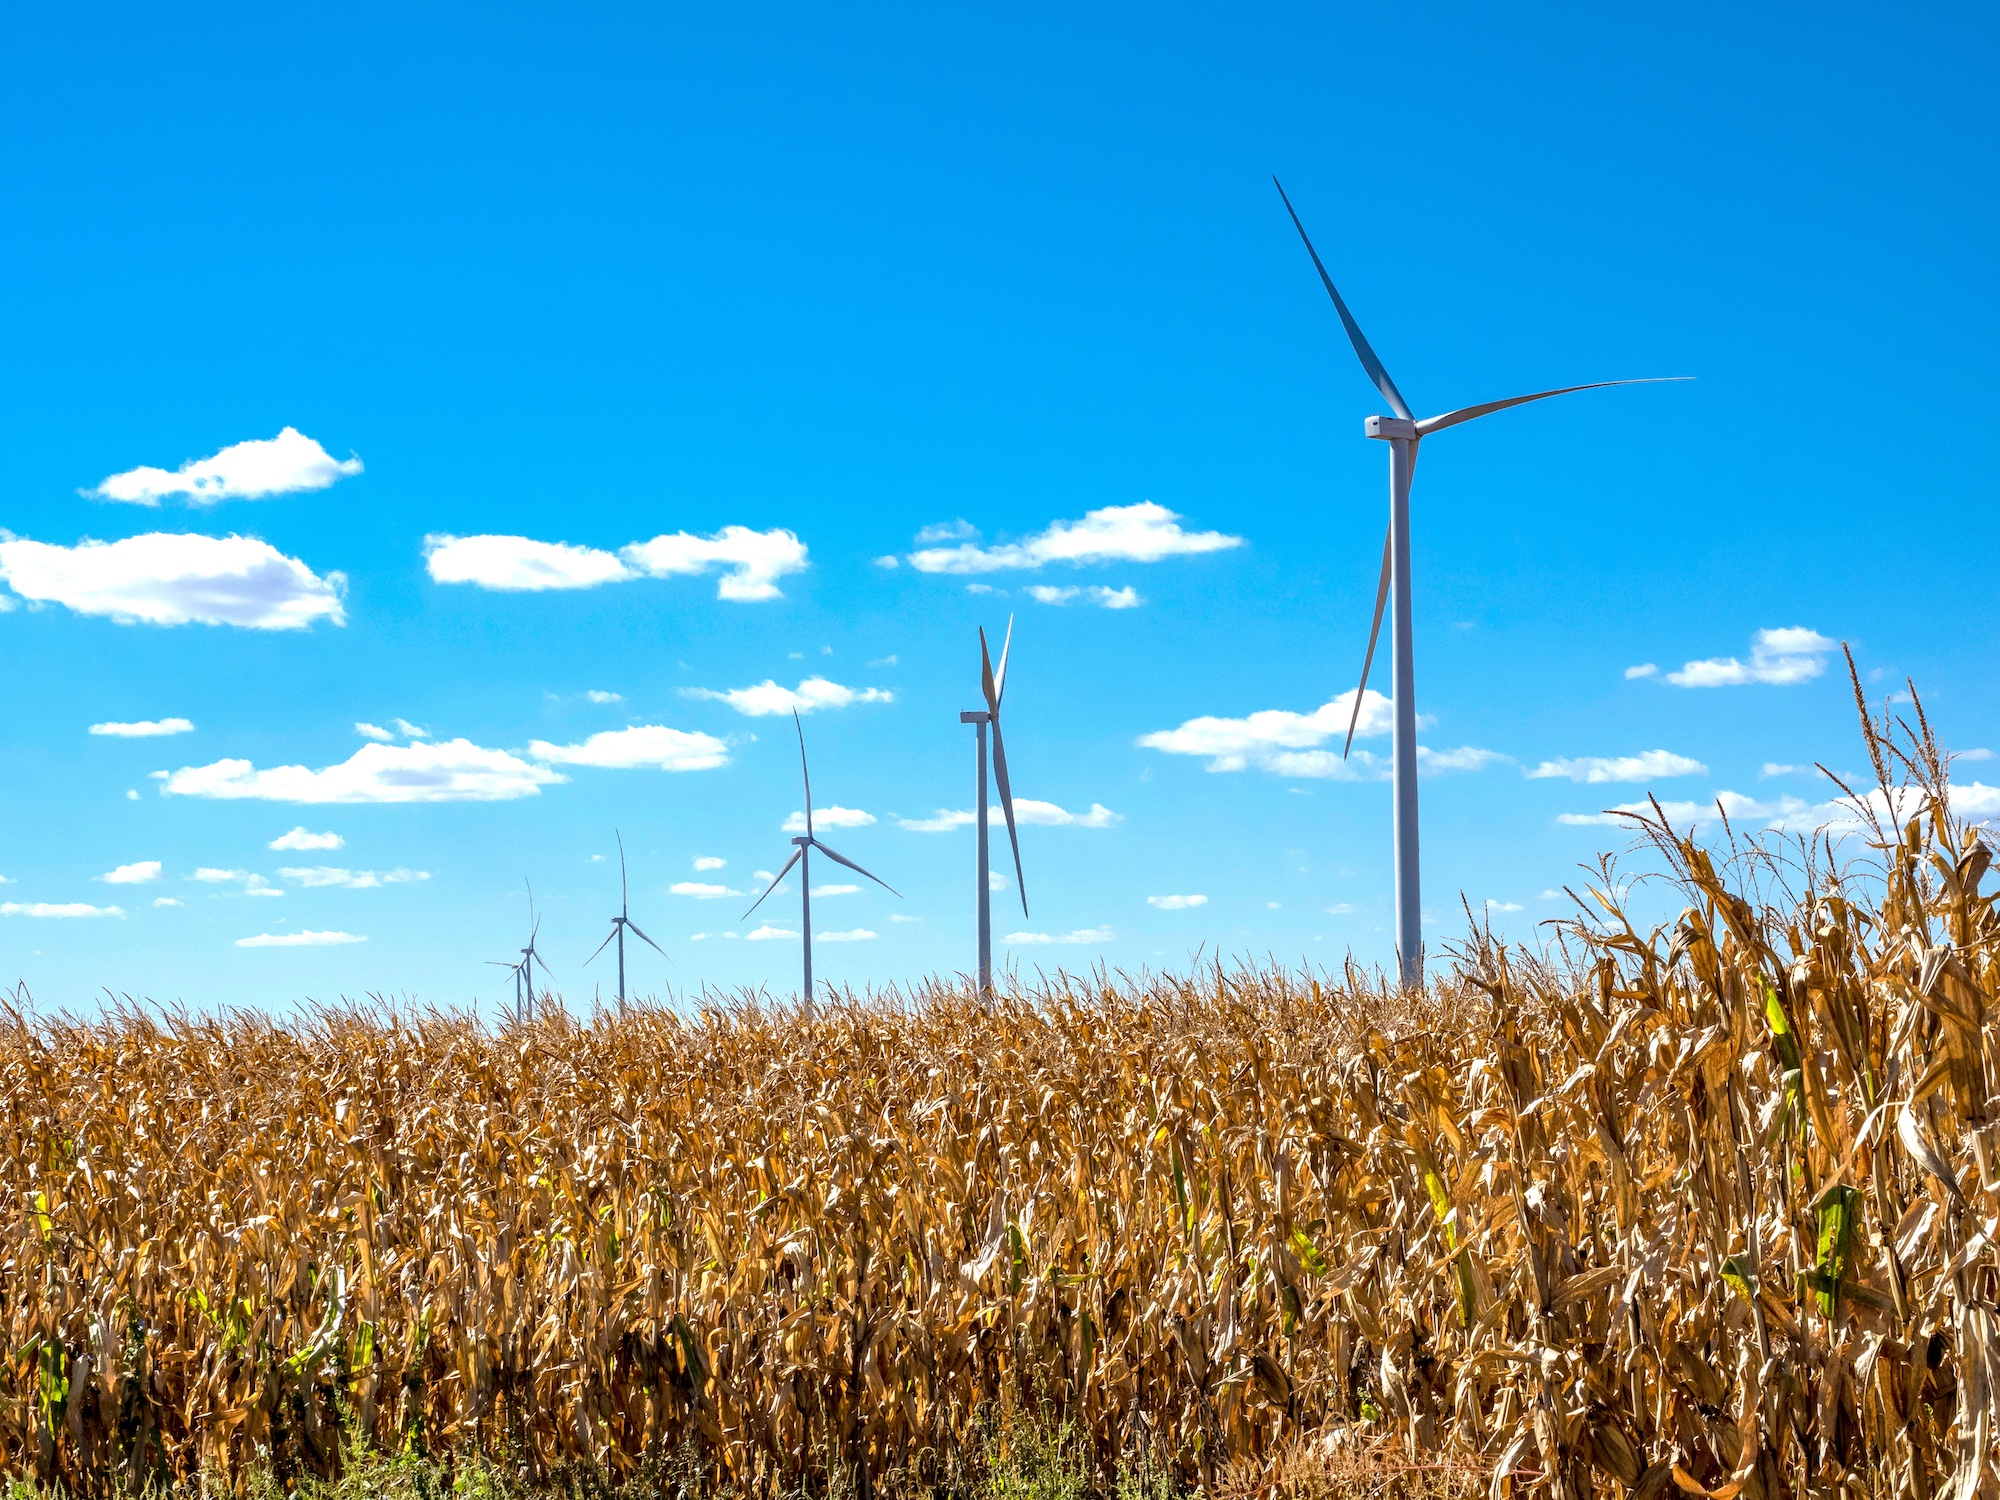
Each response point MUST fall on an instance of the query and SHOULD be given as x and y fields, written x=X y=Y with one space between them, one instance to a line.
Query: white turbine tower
x=994 y=686
x=1402 y=433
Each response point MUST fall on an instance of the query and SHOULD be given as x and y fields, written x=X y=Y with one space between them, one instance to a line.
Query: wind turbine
x=1402 y=433
x=525 y=969
x=622 y=921
x=801 y=856
x=993 y=685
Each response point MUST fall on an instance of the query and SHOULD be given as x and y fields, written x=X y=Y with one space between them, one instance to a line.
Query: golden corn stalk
x=1707 y=1208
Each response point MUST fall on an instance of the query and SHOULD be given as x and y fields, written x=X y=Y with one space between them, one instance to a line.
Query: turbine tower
x=622 y=921
x=803 y=846
x=1402 y=433
x=993 y=685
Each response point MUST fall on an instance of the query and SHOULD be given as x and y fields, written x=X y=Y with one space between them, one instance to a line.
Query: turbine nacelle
x=1390 y=428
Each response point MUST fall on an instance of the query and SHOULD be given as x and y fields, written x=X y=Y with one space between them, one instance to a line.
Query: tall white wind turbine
x=1402 y=433
x=993 y=685
x=622 y=921
x=804 y=844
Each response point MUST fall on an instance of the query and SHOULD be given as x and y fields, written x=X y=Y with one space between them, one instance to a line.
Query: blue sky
x=736 y=305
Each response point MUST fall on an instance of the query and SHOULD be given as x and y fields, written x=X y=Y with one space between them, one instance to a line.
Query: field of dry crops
x=1706 y=1207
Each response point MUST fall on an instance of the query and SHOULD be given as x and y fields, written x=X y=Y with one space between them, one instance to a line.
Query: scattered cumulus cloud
x=651 y=747
x=768 y=698
x=701 y=890
x=855 y=935
x=1027 y=810
x=144 y=872
x=835 y=890
x=768 y=933
x=1081 y=935
x=751 y=562
x=709 y=862
x=409 y=730
x=828 y=817
x=1784 y=656
x=1287 y=743
x=253 y=470
x=1593 y=769
x=1644 y=669
x=373 y=732
x=166 y=901
x=887 y=561
x=143 y=729
x=1465 y=758
x=302 y=838
x=165 y=578
x=57 y=909
x=1973 y=755
x=1143 y=533
x=299 y=940
x=1338 y=909
x=1778 y=768
x=1790 y=814
x=1102 y=597
x=1176 y=903
x=598 y=695
x=316 y=876
x=1493 y=905
x=434 y=771
x=960 y=530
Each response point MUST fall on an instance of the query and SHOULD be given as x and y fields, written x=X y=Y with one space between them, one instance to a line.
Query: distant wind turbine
x=801 y=856
x=622 y=921
x=1403 y=432
x=524 y=971
x=993 y=685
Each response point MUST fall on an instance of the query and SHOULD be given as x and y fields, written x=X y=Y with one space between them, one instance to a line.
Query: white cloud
x=643 y=746
x=1493 y=905
x=142 y=873
x=257 y=885
x=447 y=771
x=165 y=578
x=995 y=881
x=709 y=862
x=1098 y=594
x=372 y=732
x=253 y=470
x=1465 y=758
x=57 y=909
x=960 y=530
x=1027 y=810
x=1972 y=755
x=857 y=935
x=1644 y=669
x=1145 y=532
x=144 y=729
x=299 y=940
x=828 y=817
x=755 y=560
x=411 y=731
x=166 y=901
x=1776 y=768
x=131 y=794
x=768 y=698
x=209 y=875
x=302 y=839
x=1338 y=909
x=1176 y=903
x=701 y=890
x=985 y=588
x=896 y=916
x=1081 y=935
x=518 y=564
x=1273 y=737
x=1594 y=769
x=352 y=880
x=598 y=695
x=835 y=890
x=767 y=934
x=1783 y=656
x=887 y=561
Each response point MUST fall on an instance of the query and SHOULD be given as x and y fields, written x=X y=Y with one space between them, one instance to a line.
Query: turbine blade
x=776 y=880
x=986 y=684
x=1375 y=630
x=646 y=940
x=1000 y=676
x=842 y=859
x=1430 y=425
x=1354 y=335
x=624 y=899
x=804 y=771
x=1007 y=811
x=600 y=947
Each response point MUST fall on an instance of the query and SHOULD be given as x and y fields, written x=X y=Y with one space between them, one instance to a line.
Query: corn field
x=1705 y=1205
